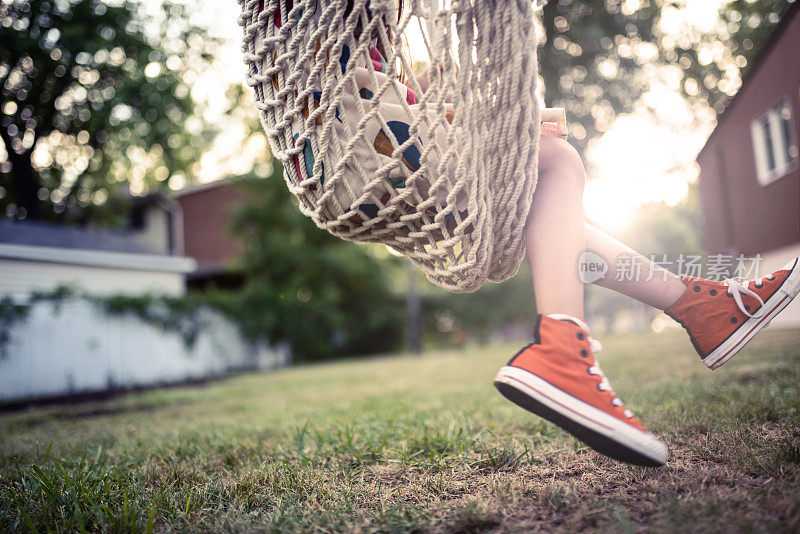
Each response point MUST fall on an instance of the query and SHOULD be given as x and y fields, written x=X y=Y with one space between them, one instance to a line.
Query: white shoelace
x=738 y=286
x=595 y=347
x=605 y=386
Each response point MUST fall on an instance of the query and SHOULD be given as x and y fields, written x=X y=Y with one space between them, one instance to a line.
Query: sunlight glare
x=636 y=162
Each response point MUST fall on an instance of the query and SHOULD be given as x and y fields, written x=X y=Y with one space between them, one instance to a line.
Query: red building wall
x=207 y=215
x=740 y=214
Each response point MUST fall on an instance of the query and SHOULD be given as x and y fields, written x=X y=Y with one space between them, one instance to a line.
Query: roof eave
x=98 y=258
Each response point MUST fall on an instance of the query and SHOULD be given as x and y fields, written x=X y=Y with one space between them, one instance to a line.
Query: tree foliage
x=458 y=317
x=588 y=62
x=91 y=106
x=712 y=63
x=324 y=296
x=600 y=56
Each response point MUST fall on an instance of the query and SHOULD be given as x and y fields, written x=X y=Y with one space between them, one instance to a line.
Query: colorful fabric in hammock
x=383 y=142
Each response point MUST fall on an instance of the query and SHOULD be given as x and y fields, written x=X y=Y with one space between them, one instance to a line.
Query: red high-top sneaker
x=558 y=378
x=721 y=317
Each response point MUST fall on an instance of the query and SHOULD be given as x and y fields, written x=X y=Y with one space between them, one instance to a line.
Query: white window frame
x=785 y=157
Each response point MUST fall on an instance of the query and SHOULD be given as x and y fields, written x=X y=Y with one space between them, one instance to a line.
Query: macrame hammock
x=445 y=176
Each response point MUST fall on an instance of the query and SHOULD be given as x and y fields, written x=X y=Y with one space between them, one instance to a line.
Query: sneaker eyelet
x=584 y=353
x=747 y=307
x=734 y=320
x=581 y=336
x=771 y=277
x=729 y=294
x=713 y=292
x=696 y=289
x=759 y=286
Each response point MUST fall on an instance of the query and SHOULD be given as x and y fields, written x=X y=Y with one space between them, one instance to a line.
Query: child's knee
x=558 y=157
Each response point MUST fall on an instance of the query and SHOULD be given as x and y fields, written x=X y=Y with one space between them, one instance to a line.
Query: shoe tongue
x=569 y=319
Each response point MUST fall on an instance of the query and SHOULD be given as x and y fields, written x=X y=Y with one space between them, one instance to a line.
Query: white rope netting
x=446 y=175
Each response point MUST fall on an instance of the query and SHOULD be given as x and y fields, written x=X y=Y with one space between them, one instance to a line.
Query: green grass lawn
x=416 y=444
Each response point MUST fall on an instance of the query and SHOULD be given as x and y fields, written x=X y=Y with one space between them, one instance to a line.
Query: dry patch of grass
x=416 y=444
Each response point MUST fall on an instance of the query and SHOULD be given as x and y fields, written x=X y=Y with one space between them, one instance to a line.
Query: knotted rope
x=444 y=176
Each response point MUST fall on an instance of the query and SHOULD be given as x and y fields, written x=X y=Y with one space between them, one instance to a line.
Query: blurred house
x=206 y=213
x=169 y=243
x=750 y=178
x=144 y=258
x=65 y=348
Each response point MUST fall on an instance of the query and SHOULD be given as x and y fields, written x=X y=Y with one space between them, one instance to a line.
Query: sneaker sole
x=772 y=307
x=604 y=433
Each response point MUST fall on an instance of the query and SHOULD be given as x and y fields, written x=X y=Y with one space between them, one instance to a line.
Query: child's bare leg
x=555 y=232
x=654 y=285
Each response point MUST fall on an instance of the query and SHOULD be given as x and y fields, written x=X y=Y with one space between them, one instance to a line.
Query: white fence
x=76 y=347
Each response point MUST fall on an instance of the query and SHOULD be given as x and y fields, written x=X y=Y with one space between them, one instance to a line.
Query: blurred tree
x=324 y=296
x=600 y=56
x=92 y=106
x=483 y=313
x=713 y=62
x=592 y=61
